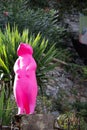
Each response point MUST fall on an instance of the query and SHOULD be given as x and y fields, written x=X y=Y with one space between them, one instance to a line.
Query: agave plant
x=9 y=41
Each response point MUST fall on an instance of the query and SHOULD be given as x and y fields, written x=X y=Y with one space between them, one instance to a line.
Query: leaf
x=2 y=64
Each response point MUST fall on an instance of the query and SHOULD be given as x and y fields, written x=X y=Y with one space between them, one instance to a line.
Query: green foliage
x=69 y=5
x=70 y=121
x=9 y=41
x=62 y=103
x=64 y=54
x=40 y=20
x=44 y=104
x=9 y=10
x=36 y=3
x=81 y=108
x=84 y=72
x=6 y=108
x=74 y=69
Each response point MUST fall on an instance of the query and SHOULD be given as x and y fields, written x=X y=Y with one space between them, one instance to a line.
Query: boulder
x=35 y=122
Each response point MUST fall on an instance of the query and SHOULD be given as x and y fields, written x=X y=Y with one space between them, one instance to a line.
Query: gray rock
x=36 y=122
x=61 y=82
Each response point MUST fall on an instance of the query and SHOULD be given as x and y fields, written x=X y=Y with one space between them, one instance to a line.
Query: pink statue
x=25 y=84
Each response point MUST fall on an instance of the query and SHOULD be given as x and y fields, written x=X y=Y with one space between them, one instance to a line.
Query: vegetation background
x=41 y=24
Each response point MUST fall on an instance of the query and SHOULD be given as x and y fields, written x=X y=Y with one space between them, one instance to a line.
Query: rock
x=63 y=87
x=55 y=113
x=6 y=128
x=73 y=24
x=59 y=80
x=36 y=122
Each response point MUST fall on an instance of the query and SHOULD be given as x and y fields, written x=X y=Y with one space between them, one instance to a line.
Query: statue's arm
x=31 y=67
x=17 y=66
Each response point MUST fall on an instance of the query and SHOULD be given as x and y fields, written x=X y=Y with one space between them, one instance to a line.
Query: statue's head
x=24 y=49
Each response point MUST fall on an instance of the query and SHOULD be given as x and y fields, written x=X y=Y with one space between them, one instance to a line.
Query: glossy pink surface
x=25 y=83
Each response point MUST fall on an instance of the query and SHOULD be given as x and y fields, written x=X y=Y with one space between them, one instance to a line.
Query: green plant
x=9 y=10
x=81 y=109
x=9 y=41
x=36 y=4
x=64 y=55
x=69 y=5
x=84 y=72
x=62 y=103
x=41 y=21
x=36 y=21
x=44 y=104
x=7 y=106
x=70 y=121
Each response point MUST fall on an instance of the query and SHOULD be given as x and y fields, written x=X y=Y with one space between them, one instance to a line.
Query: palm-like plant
x=9 y=41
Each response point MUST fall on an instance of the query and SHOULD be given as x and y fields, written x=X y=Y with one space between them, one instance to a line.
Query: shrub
x=40 y=20
x=9 y=41
x=71 y=121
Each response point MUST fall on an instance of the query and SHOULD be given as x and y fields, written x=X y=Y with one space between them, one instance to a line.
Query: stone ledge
x=35 y=122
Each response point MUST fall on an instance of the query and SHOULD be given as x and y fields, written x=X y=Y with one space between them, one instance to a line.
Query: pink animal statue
x=25 y=83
